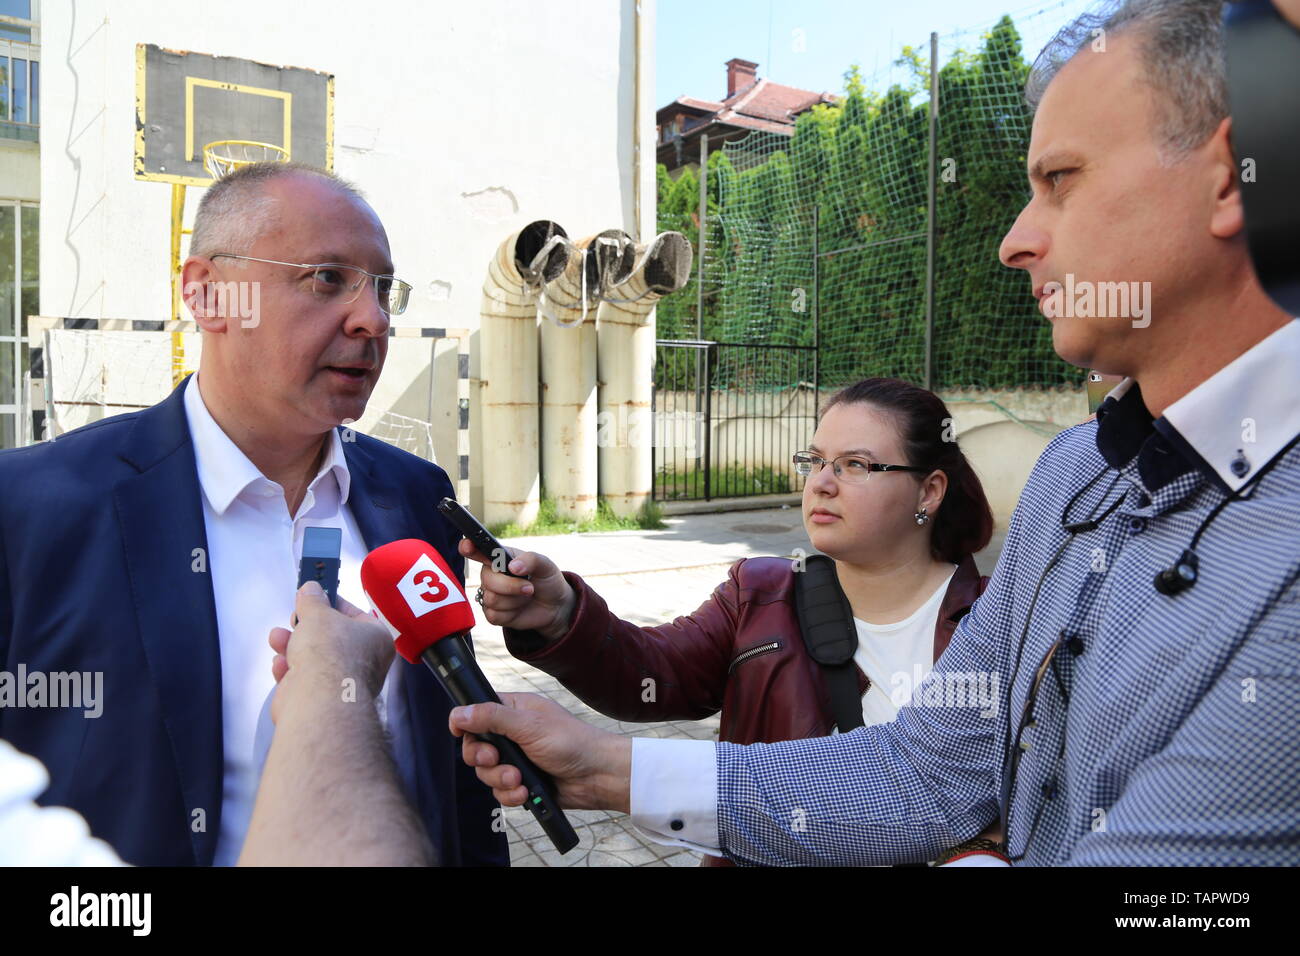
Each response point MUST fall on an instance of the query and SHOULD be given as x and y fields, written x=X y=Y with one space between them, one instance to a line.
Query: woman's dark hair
x=964 y=522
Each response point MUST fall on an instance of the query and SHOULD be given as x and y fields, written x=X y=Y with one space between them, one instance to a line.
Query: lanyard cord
x=1074 y=528
x=1241 y=493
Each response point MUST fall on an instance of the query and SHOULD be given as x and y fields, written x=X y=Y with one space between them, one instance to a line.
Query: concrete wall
x=1001 y=432
x=461 y=122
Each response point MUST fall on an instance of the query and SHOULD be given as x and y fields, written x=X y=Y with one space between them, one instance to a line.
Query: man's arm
x=890 y=793
x=1225 y=788
x=330 y=794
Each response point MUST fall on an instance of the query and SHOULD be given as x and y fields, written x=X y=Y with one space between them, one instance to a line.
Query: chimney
x=740 y=74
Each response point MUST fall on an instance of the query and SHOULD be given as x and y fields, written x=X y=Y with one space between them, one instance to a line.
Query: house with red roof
x=752 y=103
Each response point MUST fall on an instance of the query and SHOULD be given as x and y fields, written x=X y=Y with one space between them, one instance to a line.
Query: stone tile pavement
x=647 y=577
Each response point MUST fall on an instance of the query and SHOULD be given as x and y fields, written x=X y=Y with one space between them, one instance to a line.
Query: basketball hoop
x=226 y=155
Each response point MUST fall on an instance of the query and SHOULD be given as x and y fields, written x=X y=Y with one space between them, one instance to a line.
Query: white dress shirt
x=254 y=547
x=1246 y=409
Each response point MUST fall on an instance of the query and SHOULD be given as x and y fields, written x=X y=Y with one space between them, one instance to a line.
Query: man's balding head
x=238 y=209
x=292 y=344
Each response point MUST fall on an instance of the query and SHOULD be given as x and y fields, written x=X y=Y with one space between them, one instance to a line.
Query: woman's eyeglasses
x=853 y=469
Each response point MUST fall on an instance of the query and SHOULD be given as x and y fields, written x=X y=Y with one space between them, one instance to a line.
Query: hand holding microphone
x=592 y=768
x=415 y=594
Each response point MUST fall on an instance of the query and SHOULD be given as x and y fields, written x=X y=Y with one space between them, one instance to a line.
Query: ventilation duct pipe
x=523 y=264
x=568 y=364
x=625 y=367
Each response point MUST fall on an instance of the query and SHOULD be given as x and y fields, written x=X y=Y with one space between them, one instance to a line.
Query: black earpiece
x=1180 y=577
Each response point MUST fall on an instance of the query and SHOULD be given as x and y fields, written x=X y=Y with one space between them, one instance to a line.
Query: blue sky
x=811 y=43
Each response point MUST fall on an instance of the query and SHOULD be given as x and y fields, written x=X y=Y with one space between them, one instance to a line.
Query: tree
x=862 y=165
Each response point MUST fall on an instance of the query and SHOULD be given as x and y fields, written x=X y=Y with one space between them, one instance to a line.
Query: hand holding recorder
x=521 y=589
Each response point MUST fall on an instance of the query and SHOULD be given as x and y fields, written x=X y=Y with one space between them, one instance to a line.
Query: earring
x=922 y=517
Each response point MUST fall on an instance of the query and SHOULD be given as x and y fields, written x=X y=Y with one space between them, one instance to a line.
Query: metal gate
x=728 y=417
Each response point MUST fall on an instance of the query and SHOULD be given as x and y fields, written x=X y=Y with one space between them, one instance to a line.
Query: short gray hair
x=1181 y=44
x=236 y=210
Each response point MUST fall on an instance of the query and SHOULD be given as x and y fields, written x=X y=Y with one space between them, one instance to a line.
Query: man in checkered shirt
x=1165 y=726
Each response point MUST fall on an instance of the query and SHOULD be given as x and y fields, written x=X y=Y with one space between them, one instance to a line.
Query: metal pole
x=655 y=417
x=817 y=309
x=702 y=361
x=930 y=210
x=704 y=213
x=178 y=229
x=708 y=423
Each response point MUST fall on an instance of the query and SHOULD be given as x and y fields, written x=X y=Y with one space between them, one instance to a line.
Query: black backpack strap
x=826 y=623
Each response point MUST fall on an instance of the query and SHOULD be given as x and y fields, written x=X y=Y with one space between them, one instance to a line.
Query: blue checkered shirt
x=1180 y=741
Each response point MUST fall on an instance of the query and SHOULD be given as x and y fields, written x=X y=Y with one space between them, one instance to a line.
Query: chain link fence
x=820 y=239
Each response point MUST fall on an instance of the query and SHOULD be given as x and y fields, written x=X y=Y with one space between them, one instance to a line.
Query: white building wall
x=20 y=170
x=460 y=121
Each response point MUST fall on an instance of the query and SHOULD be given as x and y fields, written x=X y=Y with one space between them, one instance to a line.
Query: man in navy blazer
x=104 y=533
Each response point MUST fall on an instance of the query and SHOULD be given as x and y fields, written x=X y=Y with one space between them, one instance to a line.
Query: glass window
x=36 y=92
x=9 y=346
x=31 y=265
x=8 y=394
x=4 y=87
x=20 y=10
x=8 y=289
x=20 y=90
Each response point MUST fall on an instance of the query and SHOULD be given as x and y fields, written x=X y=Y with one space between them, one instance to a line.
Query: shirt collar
x=224 y=471
x=1240 y=417
x=1228 y=426
x=1125 y=431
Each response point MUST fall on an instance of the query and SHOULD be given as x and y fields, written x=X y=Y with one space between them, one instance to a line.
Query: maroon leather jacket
x=740 y=652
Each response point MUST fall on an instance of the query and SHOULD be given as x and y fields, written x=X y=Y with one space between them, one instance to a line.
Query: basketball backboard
x=184 y=101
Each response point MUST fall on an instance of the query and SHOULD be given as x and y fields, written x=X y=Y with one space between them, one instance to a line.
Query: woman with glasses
x=888 y=496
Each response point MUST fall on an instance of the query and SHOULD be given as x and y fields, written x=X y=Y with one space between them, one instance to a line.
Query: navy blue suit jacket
x=98 y=532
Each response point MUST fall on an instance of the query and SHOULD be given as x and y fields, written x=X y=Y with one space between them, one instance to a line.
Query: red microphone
x=415 y=594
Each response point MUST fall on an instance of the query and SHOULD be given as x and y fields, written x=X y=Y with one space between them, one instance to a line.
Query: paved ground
x=647 y=577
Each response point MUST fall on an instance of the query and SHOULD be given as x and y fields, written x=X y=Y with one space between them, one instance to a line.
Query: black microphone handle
x=459 y=674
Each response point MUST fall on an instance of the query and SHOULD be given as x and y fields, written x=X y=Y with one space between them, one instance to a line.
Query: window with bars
x=19 y=297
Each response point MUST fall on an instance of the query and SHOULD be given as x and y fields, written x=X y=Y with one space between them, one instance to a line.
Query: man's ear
x=199 y=292
x=1227 y=218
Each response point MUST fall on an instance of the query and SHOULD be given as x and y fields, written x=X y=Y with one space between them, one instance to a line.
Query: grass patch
x=733 y=481
x=650 y=518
